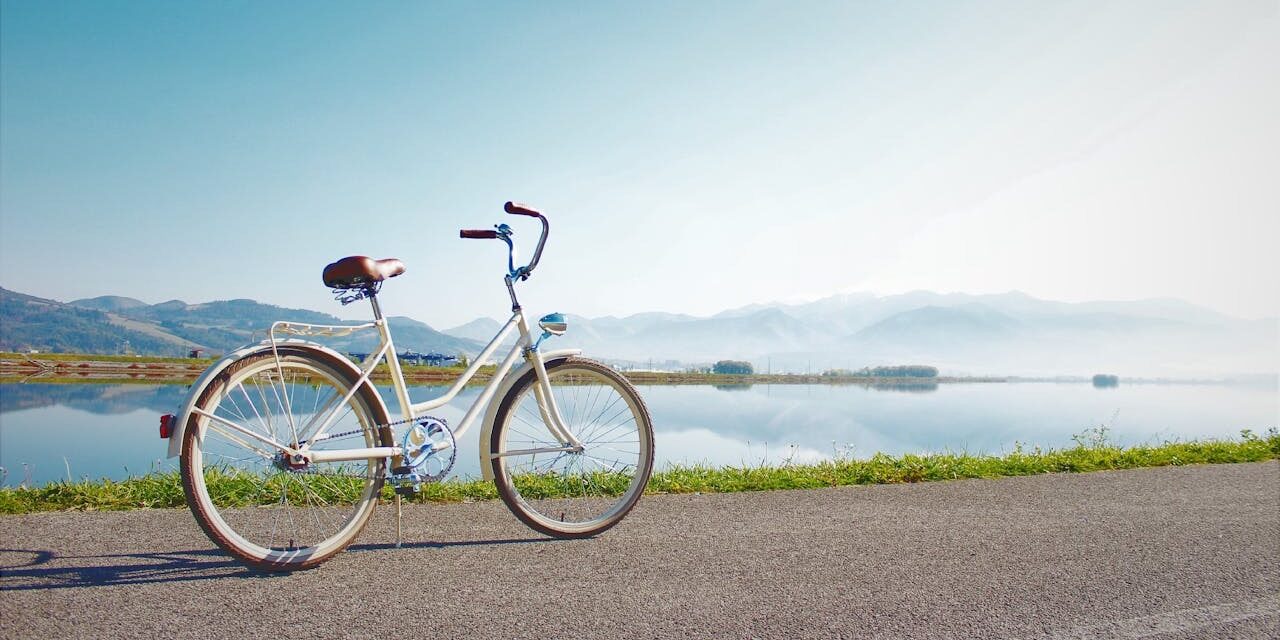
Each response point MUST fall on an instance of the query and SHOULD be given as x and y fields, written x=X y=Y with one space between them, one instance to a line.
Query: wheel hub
x=296 y=462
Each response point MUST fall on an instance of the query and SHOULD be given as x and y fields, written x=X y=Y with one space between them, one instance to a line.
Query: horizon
x=692 y=159
x=774 y=304
x=1010 y=334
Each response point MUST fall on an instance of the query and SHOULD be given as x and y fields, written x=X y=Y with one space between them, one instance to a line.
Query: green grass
x=1092 y=452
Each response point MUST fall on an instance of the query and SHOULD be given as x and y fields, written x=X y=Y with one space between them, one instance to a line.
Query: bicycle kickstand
x=398 y=521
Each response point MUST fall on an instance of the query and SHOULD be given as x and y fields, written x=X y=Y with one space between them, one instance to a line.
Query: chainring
x=430 y=449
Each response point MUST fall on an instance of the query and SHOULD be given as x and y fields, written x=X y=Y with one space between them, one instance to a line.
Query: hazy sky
x=692 y=156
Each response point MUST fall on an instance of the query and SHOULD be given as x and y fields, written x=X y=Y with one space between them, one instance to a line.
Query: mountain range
x=1011 y=333
x=961 y=334
x=114 y=324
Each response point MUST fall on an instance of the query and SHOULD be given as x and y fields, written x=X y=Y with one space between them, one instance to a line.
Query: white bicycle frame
x=300 y=450
x=312 y=433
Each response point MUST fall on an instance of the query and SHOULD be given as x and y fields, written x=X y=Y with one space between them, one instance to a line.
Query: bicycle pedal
x=407 y=489
x=405 y=482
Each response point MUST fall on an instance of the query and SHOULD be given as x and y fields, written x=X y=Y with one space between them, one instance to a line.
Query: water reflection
x=98 y=430
x=923 y=386
x=773 y=422
x=101 y=399
x=905 y=387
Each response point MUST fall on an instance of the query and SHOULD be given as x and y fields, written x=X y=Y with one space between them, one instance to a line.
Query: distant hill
x=933 y=325
x=29 y=323
x=409 y=334
x=1010 y=333
x=174 y=327
x=108 y=303
x=481 y=330
x=762 y=331
x=1017 y=334
x=241 y=314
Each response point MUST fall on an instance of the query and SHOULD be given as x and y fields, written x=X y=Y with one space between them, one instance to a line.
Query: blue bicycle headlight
x=553 y=323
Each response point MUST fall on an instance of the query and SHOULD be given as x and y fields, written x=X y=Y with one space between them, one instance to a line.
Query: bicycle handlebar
x=514 y=208
x=518 y=209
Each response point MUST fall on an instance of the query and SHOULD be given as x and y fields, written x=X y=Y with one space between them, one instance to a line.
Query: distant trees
x=900 y=371
x=905 y=371
x=736 y=367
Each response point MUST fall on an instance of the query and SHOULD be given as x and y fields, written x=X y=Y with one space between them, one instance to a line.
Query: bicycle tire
x=248 y=499
x=566 y=494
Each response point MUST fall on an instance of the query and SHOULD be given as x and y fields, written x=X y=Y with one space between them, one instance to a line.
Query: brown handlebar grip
x=518 y=209
x=479 y=234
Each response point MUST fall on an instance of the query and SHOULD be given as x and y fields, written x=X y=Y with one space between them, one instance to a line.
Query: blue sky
x=691 y=156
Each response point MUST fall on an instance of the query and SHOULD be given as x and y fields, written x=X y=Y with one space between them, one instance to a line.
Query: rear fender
x=183 y=417
x=491 y=413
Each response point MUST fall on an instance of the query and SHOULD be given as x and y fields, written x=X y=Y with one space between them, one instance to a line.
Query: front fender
x=179 y=423
x=491 y=413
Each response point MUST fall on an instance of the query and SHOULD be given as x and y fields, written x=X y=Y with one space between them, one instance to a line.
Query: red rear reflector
x=166 y=425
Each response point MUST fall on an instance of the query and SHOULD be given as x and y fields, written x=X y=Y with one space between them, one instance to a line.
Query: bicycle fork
x=547 y=407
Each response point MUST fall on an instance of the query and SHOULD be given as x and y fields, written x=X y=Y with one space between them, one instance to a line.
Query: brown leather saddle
x=360 y=272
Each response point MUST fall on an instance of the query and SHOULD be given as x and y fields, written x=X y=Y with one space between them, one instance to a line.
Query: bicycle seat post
x=373 y=301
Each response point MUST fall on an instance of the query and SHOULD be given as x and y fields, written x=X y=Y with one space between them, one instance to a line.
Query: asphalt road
x=1169 y=553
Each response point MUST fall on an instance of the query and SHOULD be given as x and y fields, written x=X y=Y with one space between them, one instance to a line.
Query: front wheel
x=573 y=494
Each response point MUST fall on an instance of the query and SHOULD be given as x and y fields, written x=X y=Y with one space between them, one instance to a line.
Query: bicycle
x=568 y=441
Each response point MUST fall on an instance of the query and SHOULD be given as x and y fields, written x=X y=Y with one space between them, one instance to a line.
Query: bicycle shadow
x=383 y=546
x=42 y=569
x=71 y=571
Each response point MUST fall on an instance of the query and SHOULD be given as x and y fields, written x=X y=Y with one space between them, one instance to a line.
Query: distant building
x=430 y=359
x=413 y=357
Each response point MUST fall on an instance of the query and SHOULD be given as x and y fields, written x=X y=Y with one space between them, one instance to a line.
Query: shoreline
x=1092 y=453
x=73 y=368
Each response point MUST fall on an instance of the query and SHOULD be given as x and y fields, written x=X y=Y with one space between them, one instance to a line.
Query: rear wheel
x=271 y=512
x=573 y=494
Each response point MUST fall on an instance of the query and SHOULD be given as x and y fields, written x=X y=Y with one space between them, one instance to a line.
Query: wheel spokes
x=574 y=488
x=257 y=497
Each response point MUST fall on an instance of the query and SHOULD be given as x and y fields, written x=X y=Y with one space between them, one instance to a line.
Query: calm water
x=105 y=430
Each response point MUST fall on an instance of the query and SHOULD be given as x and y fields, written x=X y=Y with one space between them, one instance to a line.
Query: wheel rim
x=576 y=492
x=259 y=505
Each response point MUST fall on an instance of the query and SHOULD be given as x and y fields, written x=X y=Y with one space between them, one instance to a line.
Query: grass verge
x=1092 y=452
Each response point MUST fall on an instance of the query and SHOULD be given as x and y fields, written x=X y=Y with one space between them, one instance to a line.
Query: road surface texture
x=1191 y=552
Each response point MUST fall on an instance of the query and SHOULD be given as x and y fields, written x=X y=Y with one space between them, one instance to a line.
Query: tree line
x=742 y=367
x=736 y=367
x=898 y=371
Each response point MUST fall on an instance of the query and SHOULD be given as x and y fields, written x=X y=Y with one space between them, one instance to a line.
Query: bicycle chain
x=357 y=432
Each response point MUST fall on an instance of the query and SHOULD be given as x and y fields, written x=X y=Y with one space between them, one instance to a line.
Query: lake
x=48 y=431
